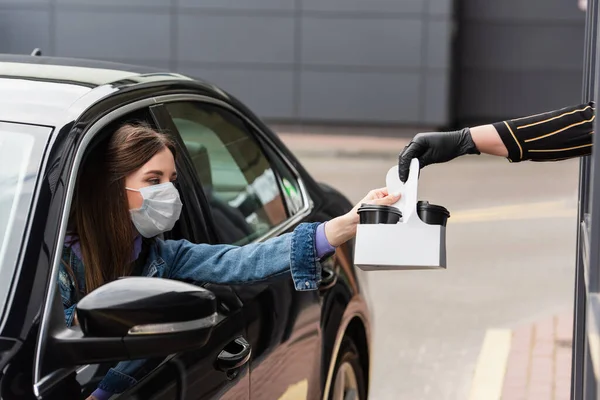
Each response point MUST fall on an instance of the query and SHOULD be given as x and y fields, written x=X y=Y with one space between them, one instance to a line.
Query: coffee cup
x=432 y=214
x=378 y=214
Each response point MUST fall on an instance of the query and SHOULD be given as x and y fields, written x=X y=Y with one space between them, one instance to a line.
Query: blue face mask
x=160 y=209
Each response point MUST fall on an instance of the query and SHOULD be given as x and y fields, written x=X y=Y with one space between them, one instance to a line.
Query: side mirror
x=145 y=306
x=138 y=317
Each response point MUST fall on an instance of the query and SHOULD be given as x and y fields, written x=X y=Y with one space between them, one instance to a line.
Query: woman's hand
x=341 y=229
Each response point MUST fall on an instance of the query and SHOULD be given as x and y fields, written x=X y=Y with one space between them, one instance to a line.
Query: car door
x=215 y=371
x=254 y=195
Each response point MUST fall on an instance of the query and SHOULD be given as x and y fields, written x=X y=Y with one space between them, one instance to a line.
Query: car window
x=240 y=183
x=148 y=372
x=21 y=149
x=89 y=376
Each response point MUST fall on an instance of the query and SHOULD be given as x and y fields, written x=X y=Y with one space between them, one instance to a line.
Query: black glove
x=435 y=147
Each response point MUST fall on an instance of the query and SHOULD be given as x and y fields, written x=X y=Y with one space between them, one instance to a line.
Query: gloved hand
x=435 y=147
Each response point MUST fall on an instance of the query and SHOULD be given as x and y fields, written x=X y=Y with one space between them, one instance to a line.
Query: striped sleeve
x=551 y=136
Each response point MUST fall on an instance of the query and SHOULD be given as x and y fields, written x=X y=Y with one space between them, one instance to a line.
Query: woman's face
x=159 y=169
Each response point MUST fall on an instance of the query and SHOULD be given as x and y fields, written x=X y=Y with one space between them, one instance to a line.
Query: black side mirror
x=138 y=317
x=145 y=306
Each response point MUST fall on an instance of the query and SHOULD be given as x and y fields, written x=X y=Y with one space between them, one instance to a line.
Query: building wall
x=518 y=57
x=310 y=60
x=383 y=61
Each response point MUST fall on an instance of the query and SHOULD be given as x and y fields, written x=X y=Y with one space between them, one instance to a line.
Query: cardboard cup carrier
x=407 y=235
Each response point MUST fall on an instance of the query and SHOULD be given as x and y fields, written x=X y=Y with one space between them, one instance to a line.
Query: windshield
x=21 y=149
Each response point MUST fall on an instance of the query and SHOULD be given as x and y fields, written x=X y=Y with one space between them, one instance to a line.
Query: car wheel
x=348 y=377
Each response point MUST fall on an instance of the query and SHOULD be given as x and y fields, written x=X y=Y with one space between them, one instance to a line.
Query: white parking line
x=491 y=365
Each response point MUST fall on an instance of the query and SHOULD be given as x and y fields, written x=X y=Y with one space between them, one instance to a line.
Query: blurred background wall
x=408 y=62
x=518 y=57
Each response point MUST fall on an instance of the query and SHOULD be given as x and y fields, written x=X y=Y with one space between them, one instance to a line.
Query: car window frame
x=267 y=146
x=45 y=380
x=50 y=319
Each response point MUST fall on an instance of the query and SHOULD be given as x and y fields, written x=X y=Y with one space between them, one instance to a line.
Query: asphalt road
x=511 y=255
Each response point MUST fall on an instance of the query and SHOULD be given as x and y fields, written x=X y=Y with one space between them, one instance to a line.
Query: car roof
x=90 y=73
x=38 y=89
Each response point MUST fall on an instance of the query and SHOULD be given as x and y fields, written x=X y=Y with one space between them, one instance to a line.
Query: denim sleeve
x=126 y=374
x=117 y=381
x=65 y=287
x=293 y=252
x=70 y=315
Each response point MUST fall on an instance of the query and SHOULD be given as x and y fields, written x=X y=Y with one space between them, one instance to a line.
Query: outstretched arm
x=296 y=253
x=550 y=136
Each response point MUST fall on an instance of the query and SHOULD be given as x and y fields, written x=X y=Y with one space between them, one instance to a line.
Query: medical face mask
x=160 y=209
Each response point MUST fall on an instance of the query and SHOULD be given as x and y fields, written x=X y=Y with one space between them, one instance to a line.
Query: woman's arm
x=551 y=136
x=294 y=253
x=255 y=262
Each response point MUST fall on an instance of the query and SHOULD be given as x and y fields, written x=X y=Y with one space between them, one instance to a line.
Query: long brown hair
x=100 y=214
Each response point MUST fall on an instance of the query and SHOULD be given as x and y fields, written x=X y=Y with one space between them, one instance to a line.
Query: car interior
x=230 y=165
x=231 y=225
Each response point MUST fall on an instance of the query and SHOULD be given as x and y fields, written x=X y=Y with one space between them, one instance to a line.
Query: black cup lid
x=425 y=206
x=377 y=207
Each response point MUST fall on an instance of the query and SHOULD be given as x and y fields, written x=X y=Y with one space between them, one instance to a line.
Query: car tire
x=348 y=377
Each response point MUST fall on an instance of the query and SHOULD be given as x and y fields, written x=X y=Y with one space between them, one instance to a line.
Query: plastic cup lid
x=425 y=206
x=377 y=207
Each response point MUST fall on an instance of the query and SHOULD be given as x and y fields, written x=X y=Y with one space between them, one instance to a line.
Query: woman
x=125 y=197
x=550 y=136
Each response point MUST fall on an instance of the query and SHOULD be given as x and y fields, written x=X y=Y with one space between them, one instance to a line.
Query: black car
x=239 y=184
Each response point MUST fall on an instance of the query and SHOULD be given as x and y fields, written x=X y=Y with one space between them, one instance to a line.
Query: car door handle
x=234 y=355
x=328 y=278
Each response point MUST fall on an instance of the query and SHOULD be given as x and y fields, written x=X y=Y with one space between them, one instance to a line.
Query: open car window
x=87 y=376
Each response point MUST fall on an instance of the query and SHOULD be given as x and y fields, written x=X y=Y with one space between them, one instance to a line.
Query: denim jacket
x=293 y=252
